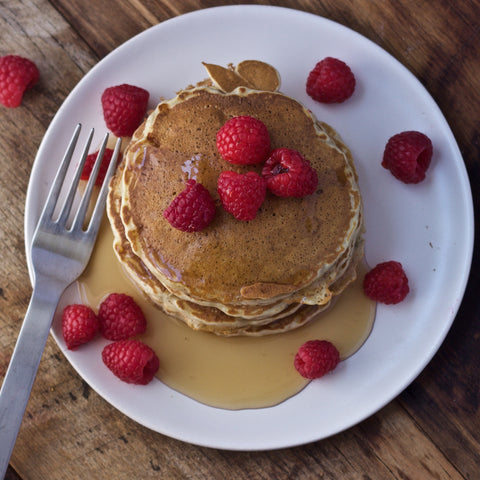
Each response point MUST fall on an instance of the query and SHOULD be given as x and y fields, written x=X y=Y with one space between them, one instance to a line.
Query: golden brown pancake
x=263 y=276
x=203 y=317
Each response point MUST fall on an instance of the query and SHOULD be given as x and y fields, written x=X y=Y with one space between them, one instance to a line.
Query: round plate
x=428 y=227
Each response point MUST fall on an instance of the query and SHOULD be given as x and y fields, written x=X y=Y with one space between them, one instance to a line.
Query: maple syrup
x=228 y=372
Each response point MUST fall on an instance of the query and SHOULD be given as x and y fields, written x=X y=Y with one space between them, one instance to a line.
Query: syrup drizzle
x=229 y=372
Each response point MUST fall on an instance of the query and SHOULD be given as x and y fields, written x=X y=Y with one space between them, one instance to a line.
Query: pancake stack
x=268 y=275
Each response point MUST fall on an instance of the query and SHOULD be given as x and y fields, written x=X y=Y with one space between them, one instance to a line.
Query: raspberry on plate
x=124 y=107
x=90 y=162
x=331 y=81
x=17 y=74
x=241 y=194
x=131 y=361
x=79 y=325
x=191 y=210
x=386 y=283
x=120 y=317
x=315 y=358
x=289 y=174
x=243 y=140
x=408 y=155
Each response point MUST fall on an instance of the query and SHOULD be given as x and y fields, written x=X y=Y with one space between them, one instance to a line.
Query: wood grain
x=430 y=431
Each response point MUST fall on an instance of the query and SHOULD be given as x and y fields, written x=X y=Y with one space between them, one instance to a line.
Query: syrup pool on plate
x=228 y=372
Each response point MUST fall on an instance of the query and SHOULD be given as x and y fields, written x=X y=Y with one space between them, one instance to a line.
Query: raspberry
x=124 y=107
x=131 y=361
x=331 y=81
x=315 y=358
x=386 y=283
x=241 y=194
x=17 y=74
x=90 y=161
x=79 y=325
x=192 y=209
x=407 y=155
x=243 y=140
x=289 y=174
x=120 y=317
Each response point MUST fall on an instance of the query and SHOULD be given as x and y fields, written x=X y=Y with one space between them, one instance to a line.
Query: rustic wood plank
x=32 y=30
x=445 y=398
x=11 y=474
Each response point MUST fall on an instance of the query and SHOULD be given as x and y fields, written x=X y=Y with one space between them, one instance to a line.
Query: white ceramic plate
x=428 y=227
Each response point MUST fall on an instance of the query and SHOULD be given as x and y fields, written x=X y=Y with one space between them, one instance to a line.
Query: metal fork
x=60 y=252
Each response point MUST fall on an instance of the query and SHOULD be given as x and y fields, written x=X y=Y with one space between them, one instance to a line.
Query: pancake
x=197 y=316
x=268 y=275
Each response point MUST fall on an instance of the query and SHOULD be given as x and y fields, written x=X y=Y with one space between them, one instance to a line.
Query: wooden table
x=430 y=431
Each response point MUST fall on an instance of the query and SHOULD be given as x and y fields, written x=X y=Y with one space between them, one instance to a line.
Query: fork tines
x=81 y=212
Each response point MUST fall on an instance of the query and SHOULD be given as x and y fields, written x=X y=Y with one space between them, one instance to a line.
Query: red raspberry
x=289 y=174
x=315 y=358
x=131 y=361
x=120 y=317
x=241 y=194
x=124 y=107
x=79 y=325
x=331 y=81
x=386 y=283
x=17 y=74
x=90 y=161
x=407 y=155
x=192 y=209
x=243 y=140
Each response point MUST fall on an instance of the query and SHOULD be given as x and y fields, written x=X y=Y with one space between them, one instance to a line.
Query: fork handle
x=23 y=365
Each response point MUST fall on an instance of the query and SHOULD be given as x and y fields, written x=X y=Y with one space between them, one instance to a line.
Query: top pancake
x=295 y=248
